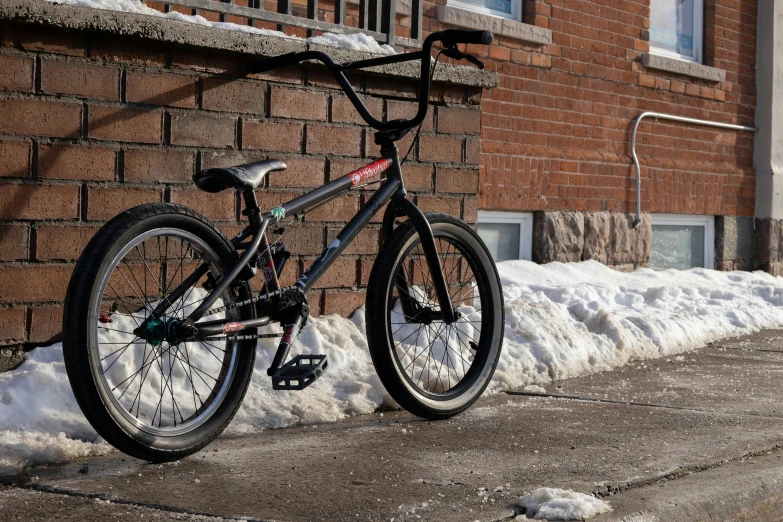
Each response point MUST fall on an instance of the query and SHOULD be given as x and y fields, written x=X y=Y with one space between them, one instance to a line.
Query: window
x=505 y=8
x=676 y=28
x=682 y=242
x=508 y=235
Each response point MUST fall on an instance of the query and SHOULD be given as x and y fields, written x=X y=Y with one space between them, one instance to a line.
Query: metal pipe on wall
x=662 y=116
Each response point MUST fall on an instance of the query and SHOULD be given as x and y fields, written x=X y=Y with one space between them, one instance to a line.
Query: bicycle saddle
x=242 y=177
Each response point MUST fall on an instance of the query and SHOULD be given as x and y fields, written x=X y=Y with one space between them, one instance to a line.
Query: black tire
x=461 y=249
x=88 y=295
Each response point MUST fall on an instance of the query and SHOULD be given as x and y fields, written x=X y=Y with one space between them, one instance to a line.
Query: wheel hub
x=428 y=315
x=156 y=330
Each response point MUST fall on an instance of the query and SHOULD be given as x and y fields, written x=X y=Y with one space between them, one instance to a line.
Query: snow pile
x=357 y=42
x=349 y=387
x=561 y=504
x=562 y=320
x=565 y=320
x=39 y=418
x=40 y=421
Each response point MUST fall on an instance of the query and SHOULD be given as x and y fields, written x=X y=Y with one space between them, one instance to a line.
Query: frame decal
x=371 y=170
x=233 y=327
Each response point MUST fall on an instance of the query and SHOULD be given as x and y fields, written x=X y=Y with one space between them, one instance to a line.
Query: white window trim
x=516 y=9
x=708 y=222
x=525 y=221
x=698 y=37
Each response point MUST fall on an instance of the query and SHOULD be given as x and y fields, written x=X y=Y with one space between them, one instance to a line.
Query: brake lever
x=455 y=53
x=475 y=61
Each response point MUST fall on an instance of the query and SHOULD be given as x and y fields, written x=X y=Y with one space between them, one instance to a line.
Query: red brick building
x=100 y=111
x=555 y=132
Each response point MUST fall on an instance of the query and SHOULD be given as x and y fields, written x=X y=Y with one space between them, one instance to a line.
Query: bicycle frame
x=391 y=189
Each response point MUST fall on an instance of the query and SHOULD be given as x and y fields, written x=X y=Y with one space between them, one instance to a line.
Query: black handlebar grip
x=268 y=64
x=457 y=36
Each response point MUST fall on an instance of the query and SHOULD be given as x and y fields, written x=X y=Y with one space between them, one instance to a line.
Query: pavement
x=687 y=438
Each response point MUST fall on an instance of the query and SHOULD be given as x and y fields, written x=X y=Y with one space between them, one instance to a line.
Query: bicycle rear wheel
x=150 y=397
x=433 y=369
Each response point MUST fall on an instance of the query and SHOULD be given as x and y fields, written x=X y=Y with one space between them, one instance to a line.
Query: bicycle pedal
x=300 y=372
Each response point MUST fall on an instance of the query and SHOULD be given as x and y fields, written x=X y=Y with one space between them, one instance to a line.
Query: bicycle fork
x=400 y=206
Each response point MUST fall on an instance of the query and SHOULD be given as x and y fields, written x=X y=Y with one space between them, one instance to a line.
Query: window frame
x=525 y=222
x=707 y=221
x=698 y=37
x=517 y=9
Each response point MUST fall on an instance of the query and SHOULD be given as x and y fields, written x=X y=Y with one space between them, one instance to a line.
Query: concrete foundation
x=558 y=236
x=734 y=243
x=609 y=238
x=606 y=237
x=768 y=251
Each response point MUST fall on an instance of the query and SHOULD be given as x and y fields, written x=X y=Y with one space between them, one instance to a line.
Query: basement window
x=508 y=235
x=511 y=9
x=682 y=241
x=676 y=28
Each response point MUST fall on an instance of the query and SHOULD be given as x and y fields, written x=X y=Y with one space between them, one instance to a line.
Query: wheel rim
x=436 y=360
x=160 y=388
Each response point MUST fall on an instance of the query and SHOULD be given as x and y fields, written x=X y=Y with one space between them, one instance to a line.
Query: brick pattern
x=555 y=132
x=109 y=125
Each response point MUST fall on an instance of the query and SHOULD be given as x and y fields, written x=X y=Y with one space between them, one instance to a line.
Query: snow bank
x=561 y=504
x=39 y=418
x=565 y=320
x=358 y=42
x=562 y=320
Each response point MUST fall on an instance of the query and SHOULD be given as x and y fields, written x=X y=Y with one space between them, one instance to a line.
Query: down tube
x=347 y=234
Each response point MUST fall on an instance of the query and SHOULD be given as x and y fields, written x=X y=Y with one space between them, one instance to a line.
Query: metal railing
x=662 y=116
x=375 y=18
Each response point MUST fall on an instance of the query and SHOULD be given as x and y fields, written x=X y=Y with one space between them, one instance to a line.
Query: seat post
x=251 y=208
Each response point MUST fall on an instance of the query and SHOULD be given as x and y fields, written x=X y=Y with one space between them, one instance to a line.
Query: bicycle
x=161 y=297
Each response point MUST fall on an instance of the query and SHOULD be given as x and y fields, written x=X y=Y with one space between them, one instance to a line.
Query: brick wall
x=556 y=132
x=91 y=125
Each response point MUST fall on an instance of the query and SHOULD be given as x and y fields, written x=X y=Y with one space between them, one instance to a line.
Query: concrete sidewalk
x=695 y=437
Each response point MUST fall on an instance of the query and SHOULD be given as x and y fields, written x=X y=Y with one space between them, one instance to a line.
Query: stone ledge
x=697 y=70
x=42 y=13
x=450 y=15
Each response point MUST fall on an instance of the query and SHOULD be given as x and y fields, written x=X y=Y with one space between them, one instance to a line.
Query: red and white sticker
x=289 y=335
x=233 y=327
x=371 y=170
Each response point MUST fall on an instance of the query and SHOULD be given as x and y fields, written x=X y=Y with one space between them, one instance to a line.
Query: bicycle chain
x=255 y=299
x=246 y=337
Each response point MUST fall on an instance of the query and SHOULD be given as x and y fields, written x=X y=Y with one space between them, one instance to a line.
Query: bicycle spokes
x=160 y=383
x=435 y=356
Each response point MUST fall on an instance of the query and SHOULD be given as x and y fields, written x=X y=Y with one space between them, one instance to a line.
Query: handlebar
x=449 y=38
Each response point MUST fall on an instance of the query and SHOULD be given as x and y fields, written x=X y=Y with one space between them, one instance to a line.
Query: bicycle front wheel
x=433 y=369
x=146 y=393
